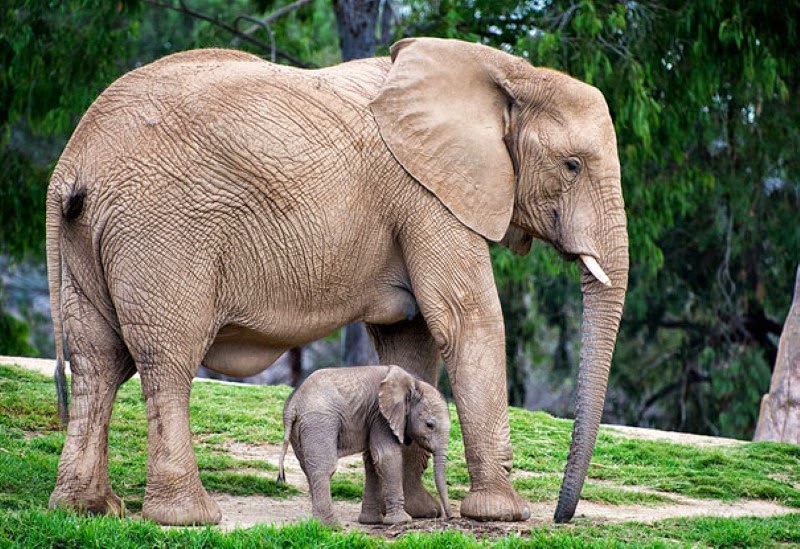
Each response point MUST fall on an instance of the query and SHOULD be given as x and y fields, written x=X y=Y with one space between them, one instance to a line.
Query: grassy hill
x=625 y=472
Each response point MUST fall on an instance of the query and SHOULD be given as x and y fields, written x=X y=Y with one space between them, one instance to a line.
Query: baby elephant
x=338 y=412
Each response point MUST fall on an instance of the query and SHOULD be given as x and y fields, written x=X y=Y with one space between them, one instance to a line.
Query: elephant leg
x=174 y=494
x=475 y=363
x=388 y=462
x=409 y=344
x=460 y=304
x=318 y=457
x=100 y=363
x=372 y=505
x=482 y=410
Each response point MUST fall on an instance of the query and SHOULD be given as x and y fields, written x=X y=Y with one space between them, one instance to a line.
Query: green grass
x=347 y=486
x=31 y=442
x=37 y=528
x=541 y=443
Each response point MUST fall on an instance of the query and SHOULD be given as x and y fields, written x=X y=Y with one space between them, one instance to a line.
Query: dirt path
x=246 y=511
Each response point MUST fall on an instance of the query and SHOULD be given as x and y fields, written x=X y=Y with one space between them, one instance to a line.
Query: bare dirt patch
x=673 y=436
x=241 y=511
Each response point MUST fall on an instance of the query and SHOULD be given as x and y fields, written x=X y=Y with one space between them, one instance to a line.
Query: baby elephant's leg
x=318 y=454
x=372 y=501
x=388 y=460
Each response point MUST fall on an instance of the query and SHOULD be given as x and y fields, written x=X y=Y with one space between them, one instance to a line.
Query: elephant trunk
x=439 y=460
x=602 y=310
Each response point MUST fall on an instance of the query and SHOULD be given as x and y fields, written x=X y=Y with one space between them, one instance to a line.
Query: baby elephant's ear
x=393 y=399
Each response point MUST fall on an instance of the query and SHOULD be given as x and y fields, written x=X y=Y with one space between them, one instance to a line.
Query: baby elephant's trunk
x=439 y=460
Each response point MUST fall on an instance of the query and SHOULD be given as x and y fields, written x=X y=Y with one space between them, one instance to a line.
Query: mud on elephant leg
x=410 y=345
x=98 y=369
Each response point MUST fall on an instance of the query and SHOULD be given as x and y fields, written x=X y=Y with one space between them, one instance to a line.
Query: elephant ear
x=443 y=113
x=394 y=397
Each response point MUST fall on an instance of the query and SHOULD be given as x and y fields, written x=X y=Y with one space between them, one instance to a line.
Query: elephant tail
x=289 y=417
x=281 y=475
x=59 y=211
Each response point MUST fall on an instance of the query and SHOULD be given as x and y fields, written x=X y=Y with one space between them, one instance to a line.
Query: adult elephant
x=212 y=207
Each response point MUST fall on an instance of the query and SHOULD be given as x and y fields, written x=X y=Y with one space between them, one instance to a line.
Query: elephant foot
x=329 y=520
x=419 y=503
x=495 y=505
x=370 y=517
x=102 y=503
x=182 y=509
x=397 y=517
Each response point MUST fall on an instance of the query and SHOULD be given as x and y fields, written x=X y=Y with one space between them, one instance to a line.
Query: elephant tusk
x=595 y=268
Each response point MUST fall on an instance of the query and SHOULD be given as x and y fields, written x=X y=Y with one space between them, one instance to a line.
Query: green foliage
x=14 y=336
x=44 y=87
x=704 y=100
x=707 y=132
x=307 y=34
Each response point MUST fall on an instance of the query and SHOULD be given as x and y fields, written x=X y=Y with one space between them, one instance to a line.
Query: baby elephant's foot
x=397 y=517
x=420 y=503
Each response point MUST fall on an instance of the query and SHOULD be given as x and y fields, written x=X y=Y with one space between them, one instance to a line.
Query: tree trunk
x=779 y=419
x=356 y=21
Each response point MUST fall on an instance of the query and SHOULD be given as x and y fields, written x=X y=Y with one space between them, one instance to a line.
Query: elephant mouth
x=590 y=260
x=594 y=267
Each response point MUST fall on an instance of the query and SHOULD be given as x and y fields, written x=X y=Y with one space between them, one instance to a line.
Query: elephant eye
x=430 y=424
x=571 y=169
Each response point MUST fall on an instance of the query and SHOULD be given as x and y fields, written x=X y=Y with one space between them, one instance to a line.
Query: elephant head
x=417 y=412
x=517 y=152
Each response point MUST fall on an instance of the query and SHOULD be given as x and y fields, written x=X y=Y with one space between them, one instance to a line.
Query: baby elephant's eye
x=573 y=165
x=430 y=423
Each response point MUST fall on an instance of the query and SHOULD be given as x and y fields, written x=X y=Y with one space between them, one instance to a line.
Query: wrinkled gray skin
x=212 y=207
x=376 y=410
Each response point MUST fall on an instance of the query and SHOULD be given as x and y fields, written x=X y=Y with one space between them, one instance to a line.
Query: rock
x=779 y=418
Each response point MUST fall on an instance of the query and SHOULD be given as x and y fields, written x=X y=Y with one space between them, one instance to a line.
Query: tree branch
x=280 y=12
x=687 y=325
x=689 y=377
x=184 y=9
x=258 y=23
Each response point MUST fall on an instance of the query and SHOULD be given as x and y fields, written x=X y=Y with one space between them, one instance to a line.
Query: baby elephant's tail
x=288 y=423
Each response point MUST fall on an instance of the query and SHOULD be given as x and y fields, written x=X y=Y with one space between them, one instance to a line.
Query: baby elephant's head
x=416 y=412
